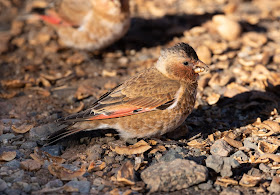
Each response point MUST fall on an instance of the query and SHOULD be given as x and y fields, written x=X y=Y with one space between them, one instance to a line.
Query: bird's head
x=180 y=62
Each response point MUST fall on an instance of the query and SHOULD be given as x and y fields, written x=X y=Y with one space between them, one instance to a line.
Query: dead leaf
x=265 y=147
x=22 y=129
x=138 y=148
x=13 y=83
x=85 y=90
x=96 y=166
x=158 y=148
x=232 y=142
x=8 y=156
x=225 y=182
x=40 y=156
x=30 y=165
x=274 y=157
x=65 y=174
x=249 y=181
x=197 y=144
x=8 y=95
x=126 y=174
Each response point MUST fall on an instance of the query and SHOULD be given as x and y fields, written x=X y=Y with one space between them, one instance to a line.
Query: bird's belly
x=149 y=124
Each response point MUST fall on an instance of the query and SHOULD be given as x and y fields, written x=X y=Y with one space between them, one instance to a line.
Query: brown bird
x=89 y=24
x=152 y=103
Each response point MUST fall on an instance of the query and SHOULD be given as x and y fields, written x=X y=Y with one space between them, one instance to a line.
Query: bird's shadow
x=232 y=113
x=159 y=31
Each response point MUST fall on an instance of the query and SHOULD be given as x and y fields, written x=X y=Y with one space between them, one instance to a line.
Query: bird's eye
x=186 y=63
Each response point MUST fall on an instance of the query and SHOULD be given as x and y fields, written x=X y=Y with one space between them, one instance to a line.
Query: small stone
x=3 y=185
x=205 y=186
x=82 y=186
x=170 y=156
x=240 y=155
x=264 y=168
x=275 y=185
x=55 y=150
x=28 y=145
x=215 y=162
x=54 y=184
x=23 y=186
x=5 y=137
x=175 y=175
x=223 y=165
x=204 y=54
x=220 y=147
x=226 y=27
x=13 y=164
x=42 y=132
x=248 y=144
x=30 y=165
x=254 y=172
x=230 y=191
x=94 y=152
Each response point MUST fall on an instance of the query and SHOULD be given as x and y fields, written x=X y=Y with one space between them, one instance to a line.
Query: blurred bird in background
x=88 y=24
x=152 y=103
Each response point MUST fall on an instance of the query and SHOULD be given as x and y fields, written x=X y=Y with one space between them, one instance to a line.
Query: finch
x=89 y=24
x=152 y=103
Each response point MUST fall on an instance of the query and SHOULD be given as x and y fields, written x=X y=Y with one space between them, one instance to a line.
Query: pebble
x=30 y=165
x=206 y=186
x=264 y=168
x=221 y=148
x=241 y=155
x=3 y=185
x=55 y=150
x=170 y=156
x=13 y=164
x=5 y=137
x=275 y=185
x=230 y=191
x=223 y=165
x=204 y=54
x=43 y=131
x=82 y=186
x=248 y=144
x=54 y=184
x=28 y=145
x=94 y=152
x=174 y=175
x=226 y=27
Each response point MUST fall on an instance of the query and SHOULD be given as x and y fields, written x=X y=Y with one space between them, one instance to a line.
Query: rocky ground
x=228 y=145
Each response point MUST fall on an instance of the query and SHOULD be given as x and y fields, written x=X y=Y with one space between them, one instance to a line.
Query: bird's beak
x=199 y=67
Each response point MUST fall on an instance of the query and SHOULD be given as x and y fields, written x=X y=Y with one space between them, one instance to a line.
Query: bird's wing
x=150 y=90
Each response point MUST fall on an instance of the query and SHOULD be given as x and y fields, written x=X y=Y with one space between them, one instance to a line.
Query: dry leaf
x=22 y=129
x=232 y=142
x=274 y=157
x=40 y=156
x=65 y=174
x=138 y=148
x=85 y=90
x=265 y=147
x=225 y=182
x=96 y=166
x=249 y=181
x=8 y=156
x=8 y=95
x=30 y=165
x=197 y=144
x=13 y=83
x=158 y=148
x=106 y=73
x=126 y=174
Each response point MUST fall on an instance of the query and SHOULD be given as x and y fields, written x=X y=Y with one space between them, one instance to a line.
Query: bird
x=88 y=24
x=149 y=104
